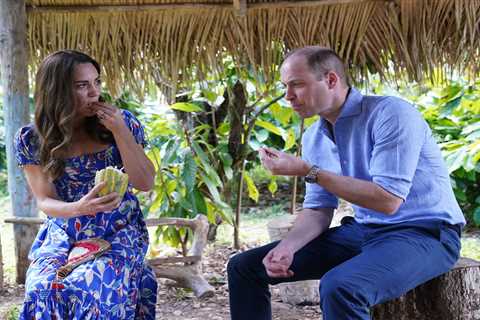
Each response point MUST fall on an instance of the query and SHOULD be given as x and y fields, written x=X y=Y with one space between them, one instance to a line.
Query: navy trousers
x=359 y=266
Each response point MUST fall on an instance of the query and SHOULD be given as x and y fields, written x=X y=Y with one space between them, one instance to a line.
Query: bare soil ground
x=175 y=304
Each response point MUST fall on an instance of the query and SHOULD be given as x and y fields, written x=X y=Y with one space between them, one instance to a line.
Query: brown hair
x=55 y=109
x=321 y=60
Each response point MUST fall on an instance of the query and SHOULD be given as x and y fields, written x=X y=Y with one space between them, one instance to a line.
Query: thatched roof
x=160 y=40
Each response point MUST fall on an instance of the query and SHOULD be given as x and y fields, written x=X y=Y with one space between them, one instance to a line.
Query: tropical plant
x=241 y=113
x=187 y=182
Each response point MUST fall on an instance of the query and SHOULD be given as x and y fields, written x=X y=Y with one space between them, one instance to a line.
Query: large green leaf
x=212 y=188
x=282 y=114
x=456 y=159
x=170 y=153
x=476 y=216
x=189 y=171
x=272 y=186
x=252 y=189
x=200 y=203
x=186 y=107
x=270 y=127
x=290 y=141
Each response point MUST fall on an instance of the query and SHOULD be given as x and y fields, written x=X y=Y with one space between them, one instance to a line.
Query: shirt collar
x=351 y=107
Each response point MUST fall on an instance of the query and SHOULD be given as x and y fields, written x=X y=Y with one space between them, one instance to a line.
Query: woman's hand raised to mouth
x=110 y=116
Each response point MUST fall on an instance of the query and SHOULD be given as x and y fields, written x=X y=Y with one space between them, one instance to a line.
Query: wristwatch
x=311 y=176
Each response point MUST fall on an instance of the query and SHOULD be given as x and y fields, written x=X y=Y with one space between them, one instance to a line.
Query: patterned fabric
x=116 y=285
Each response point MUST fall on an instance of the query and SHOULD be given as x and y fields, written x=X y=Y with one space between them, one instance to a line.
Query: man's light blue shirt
x=384 y=140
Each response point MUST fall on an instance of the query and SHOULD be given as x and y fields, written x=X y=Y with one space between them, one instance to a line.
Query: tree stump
x=452 y=296
x=299 y=292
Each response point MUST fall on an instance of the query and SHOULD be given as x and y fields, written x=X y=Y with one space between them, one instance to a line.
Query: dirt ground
x=179 y=304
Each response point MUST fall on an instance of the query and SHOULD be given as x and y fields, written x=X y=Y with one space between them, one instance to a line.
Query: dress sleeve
x=136 y=128
x=26 y=147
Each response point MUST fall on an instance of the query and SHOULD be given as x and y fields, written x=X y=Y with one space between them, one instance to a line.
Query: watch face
x=311 y=176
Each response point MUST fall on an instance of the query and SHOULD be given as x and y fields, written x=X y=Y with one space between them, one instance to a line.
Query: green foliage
x=13 y=313
x=187 y=182
x=470 y=248
x=126 y=101
x=267 y=120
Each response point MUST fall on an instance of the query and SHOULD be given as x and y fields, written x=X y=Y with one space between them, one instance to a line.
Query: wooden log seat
x=452 y=296
x=185 y=271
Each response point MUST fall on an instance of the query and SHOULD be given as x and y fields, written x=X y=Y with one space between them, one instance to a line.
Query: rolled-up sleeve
x=398 y=136
x=318 y=150
x=317 y=197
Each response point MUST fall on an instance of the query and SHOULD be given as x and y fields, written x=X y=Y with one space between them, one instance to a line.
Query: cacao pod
x=116 y=181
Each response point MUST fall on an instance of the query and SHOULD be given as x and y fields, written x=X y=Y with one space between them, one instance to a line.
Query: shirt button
x=344 y=161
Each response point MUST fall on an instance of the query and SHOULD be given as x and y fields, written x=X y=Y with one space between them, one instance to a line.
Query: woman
x=73 y=136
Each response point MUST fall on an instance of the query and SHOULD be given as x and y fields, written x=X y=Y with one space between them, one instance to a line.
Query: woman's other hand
x=90 y=204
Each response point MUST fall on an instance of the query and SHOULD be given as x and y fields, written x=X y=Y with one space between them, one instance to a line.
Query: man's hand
x=277 y=262
x=283 y=164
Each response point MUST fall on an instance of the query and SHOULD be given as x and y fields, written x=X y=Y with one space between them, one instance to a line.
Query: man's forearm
x=360 y=192
x=308 y=225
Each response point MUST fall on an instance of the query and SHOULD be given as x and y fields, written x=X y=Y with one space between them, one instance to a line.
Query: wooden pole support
x=14 y=79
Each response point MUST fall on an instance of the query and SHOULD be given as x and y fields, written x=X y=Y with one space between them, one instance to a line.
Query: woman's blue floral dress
x=116 y=285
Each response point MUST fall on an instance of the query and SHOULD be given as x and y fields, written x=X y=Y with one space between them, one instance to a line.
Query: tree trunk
x=452 y=296
x=1 y=266
x=14 y=78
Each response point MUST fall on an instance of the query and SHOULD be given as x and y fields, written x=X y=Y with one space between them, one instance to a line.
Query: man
x=376 y=153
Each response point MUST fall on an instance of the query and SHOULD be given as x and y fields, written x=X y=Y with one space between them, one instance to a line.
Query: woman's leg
x=148 y=295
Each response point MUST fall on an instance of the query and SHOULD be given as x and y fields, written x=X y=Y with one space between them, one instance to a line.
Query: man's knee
x=234 y=263
x=239 y=264
x=334 y=286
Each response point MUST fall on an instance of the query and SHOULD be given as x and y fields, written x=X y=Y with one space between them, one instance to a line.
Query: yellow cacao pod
x=116 y=181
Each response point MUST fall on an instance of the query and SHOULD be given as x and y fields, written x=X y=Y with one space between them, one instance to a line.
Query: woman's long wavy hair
x=55 y=109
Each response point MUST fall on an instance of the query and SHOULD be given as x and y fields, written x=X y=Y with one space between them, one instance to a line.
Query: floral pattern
x=116 y=285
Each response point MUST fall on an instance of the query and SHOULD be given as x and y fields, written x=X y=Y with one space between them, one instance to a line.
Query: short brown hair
x=321 y=60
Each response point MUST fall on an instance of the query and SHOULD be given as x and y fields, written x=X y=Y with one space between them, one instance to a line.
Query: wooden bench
x=185 y=271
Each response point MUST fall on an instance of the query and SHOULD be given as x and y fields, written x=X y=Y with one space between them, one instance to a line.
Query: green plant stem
x=295 y=179
x=236 y=226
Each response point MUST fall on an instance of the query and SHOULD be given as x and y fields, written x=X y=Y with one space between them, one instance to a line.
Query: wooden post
x=14 y=79
x=1 y=265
